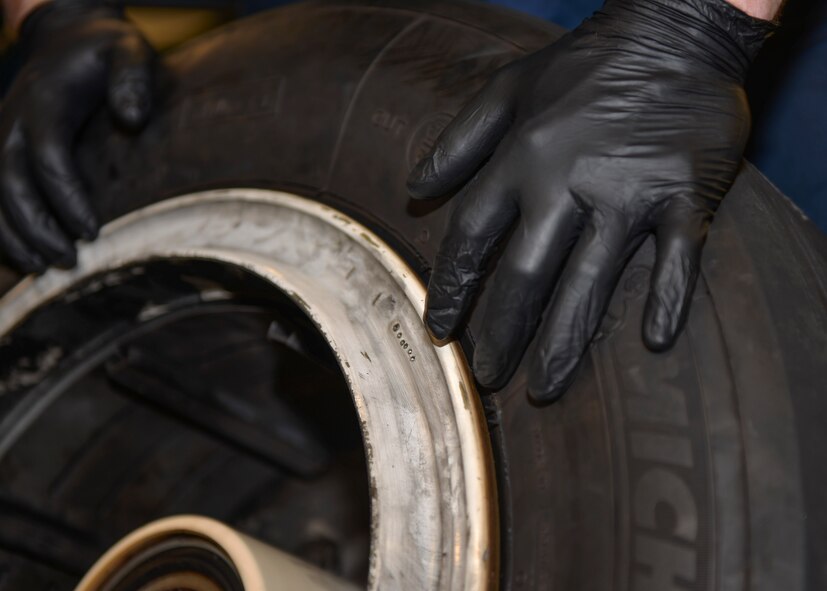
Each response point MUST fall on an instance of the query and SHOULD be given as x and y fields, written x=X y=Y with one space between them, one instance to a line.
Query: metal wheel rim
x=433 y=499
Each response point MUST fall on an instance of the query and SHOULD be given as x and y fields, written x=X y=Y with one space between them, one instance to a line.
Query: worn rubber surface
x=701 y=468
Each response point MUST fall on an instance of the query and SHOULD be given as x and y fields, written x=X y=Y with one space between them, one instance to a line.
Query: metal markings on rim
x=433 y=495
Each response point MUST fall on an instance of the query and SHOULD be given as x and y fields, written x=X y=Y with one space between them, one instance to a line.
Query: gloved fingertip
x=488 y=373
x=439 y=332
x=491 y=380
x=132 y=114
x=420 y=180
x=91 y=229
x=131 y=102
x=549 y=379
x=439 y=335
x=67 y=260
x=659 y=327
x=33 y=264
x=545 y=394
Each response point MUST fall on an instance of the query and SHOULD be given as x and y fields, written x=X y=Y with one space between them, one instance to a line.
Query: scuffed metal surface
x=433 y=499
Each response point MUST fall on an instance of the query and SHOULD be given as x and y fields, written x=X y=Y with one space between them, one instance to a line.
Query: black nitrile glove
x=633 y=123
x=78 y=56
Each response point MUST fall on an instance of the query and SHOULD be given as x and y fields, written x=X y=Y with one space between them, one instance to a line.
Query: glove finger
x=675 y=274
x=520 y=291
x=16 y=252
x=483 y=215
x=583 y=294
x=55 y=172
x=130 y=84
x=28 y=213
x=467 y=141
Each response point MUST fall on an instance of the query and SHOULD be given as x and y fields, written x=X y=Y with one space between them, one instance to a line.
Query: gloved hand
x=78 y=55
x=633 y=123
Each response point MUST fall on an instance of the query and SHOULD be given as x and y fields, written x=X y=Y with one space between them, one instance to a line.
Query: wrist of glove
x=703 y=34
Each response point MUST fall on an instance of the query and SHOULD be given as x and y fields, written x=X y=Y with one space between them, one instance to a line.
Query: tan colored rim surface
x=260 y=567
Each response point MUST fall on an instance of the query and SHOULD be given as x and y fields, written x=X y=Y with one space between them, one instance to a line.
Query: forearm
x=764 y=9
x=15 y=11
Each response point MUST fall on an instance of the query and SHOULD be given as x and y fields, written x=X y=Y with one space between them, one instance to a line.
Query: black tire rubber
x=702 y=468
